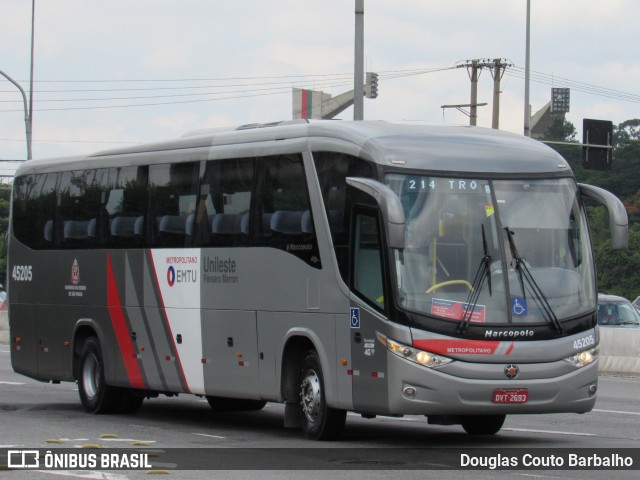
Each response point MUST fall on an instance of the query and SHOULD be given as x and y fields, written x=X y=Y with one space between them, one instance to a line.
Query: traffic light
x=371 y=85
x=597 y=139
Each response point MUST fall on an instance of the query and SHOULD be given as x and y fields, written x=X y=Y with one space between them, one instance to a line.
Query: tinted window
x=367 y=259
x=173 y=190
x=333 y=169
x=126 y=204
x=34 y=206
x=222 y=215
x=81 y=222
x=282 y=218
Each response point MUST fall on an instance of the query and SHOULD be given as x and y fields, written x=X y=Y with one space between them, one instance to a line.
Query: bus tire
x=223 y=404
x=96 y=396
x=483 y=424
x=319 y=421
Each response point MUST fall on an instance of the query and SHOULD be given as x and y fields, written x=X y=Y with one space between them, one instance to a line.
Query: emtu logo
x=171 y=276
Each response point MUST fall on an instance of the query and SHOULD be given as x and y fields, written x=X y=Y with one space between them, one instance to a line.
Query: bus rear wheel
x=96 y=396
x=319 y=421
x=483 y=424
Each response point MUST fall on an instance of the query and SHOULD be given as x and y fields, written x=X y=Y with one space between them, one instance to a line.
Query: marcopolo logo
x=508 y=333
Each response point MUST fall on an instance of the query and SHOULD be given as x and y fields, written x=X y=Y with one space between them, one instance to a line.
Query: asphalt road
x=45 y=416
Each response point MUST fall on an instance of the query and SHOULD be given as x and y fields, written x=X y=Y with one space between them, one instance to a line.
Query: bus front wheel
x=483 y=424
x=319 y=421
x=96 y=396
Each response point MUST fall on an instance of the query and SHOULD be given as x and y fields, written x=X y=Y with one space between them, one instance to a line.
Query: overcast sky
x=170 y=66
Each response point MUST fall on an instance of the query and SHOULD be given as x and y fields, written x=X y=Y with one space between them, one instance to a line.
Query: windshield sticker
x=464 y=347
x=489 y=210
x=519 y=307
x=457 y=310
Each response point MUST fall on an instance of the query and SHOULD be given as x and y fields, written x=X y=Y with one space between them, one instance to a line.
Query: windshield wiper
x=524 y=274
x=482 y=274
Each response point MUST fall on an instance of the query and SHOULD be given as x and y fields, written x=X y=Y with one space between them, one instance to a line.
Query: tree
x=618 y=271
x=561 y=130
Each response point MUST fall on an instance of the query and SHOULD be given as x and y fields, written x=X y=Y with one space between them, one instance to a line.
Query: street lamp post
x=358 y=70
x=33 y=21
x=527 y=73
x=27 y=115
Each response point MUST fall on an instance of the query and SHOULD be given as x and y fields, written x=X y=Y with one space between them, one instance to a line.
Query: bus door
x=368 y=356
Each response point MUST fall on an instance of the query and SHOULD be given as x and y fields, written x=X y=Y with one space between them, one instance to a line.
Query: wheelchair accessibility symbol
x=519 y=307
x=355 y=317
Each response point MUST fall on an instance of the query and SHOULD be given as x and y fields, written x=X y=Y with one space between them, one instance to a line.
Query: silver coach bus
x=331 y=266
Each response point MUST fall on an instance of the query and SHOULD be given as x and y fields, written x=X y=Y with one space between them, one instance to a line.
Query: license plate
x=520 y=395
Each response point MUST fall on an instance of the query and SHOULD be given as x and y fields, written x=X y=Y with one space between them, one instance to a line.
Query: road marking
x=11 y=383
x=2 y=350
x=534 y=476
x=615 y=411
x=145 y=426
x=128 y=440
x=207 y=435
x=577 y=434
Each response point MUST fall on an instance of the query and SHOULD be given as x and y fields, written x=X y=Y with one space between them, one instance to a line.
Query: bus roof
x=433 y=148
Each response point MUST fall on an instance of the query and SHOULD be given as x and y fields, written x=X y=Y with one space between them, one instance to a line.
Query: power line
x=584 y=87
x=283 y=87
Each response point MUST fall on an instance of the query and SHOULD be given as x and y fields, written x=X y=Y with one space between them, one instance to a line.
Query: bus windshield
x=493 y=251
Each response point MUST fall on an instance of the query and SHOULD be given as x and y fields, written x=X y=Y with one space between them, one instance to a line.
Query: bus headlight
x=583 y=358
x=412 y=354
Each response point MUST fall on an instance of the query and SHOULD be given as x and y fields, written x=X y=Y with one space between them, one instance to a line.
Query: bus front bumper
x=418 y=390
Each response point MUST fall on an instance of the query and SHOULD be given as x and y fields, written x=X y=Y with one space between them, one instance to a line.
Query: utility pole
x=497 y=73
x=474 y=68
x=358 y=69
x=527 y=65
x=473 y=75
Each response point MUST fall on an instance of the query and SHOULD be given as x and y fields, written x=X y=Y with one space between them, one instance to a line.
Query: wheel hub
x=90 y=373
x=311 y=396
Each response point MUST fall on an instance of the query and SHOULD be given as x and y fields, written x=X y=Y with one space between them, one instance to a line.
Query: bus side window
x=173 y=195
x=332 y=169
x=126 y=204
x=71 y=229
x=34 y=204
x=367 y=257
x=283 y=218
x=222 y=217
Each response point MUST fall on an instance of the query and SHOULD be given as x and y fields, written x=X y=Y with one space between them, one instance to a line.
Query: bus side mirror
x=618 y=221
x=390 y=206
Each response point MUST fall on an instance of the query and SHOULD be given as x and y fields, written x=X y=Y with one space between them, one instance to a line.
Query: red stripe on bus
x=123 y=336
x=166 y=321
x=510 y=349
x=459 y=347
